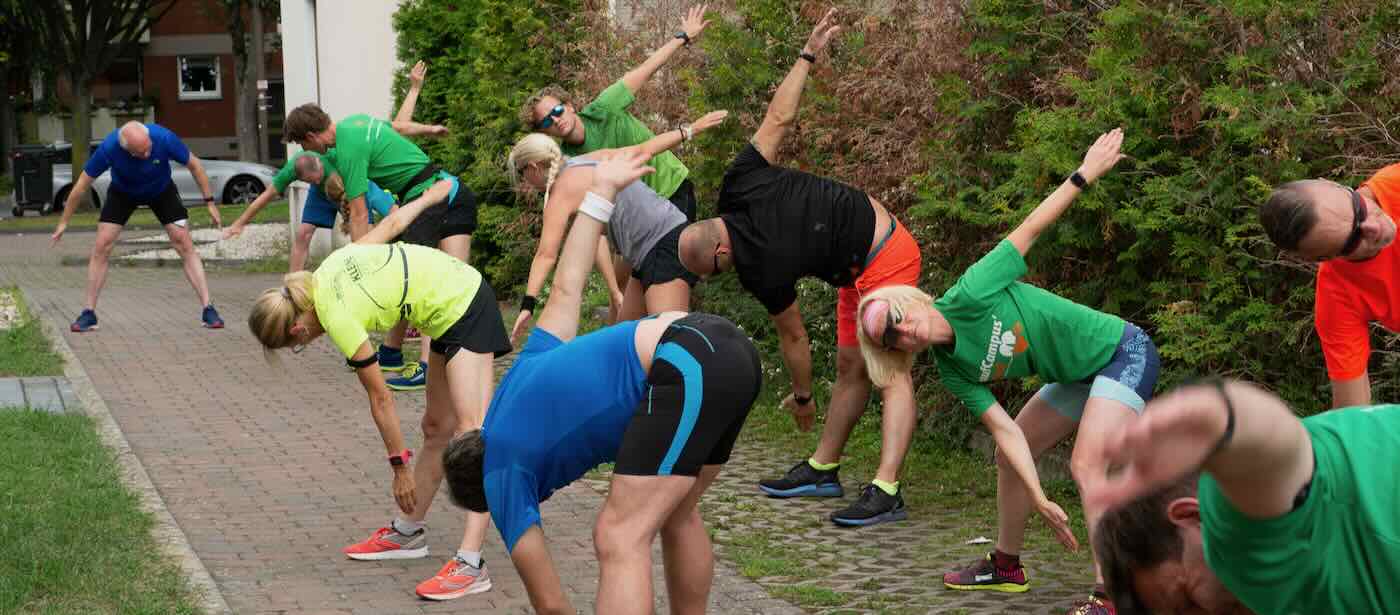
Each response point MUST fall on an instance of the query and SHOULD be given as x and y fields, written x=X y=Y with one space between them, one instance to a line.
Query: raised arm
x=693 y=24
x=415 y=85
x=1012 y=445
x=669 y=139
x=782 y=111
x=564 y=199
x=1098 y=160
x=414 y=129
x=1245 y=437
x=399 y=219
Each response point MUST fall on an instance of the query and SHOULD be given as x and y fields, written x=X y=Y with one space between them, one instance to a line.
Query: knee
x=182 y=243
x=614 y=538
x=1084 y=466
x=304 y=235
x=438 y=429
x=850 y=366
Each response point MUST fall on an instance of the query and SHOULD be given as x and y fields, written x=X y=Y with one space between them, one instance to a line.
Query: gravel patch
x=257 y=241
x=9 y=310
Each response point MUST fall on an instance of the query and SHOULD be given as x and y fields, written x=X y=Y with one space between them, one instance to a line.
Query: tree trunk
x=259 y=75
x=8 y=135
x=82 y=122
x=247 y=112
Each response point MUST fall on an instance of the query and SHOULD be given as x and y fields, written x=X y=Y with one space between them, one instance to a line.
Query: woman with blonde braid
x=644 y=230
x=371 y=285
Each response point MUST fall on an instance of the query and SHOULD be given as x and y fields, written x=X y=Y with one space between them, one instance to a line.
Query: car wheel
x=242 y=190
x=19 y=213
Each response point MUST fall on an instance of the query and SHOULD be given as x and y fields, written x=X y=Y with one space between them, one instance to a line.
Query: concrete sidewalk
x=270 y=470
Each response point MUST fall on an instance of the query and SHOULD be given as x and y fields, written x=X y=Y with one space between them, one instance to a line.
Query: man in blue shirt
x=664 y=397
x=139 y=156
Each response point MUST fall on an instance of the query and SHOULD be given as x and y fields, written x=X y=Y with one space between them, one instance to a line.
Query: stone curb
x=167 y=532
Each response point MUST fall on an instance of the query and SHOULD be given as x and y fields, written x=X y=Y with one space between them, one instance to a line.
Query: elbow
x=780 y=119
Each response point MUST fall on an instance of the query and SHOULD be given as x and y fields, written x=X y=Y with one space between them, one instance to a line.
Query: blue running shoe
x=874 y=506
x=390 y=359
x=87 y=321
x=804 y=480
x=211 y=318
x=414 y=378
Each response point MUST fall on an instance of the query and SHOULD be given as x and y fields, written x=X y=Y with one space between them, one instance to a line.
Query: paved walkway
x=269 y=469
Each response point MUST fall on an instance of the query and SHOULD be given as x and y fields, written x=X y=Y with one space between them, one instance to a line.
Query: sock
x=406 y=527
x=1100 y=591
x=888 y=488
x=1005 y=562
x=472 y=558
x=596 y=207
x=822 y=467
x=383 y=348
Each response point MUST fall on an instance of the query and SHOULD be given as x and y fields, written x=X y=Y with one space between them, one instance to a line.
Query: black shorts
x=704 y=378
x=455 y=216
x=119 y=206
x=684 y=199
x=480 y=329
x=663 y=263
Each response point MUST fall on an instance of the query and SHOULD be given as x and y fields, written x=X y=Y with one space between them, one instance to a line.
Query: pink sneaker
x=456 y=579
x=386 y=543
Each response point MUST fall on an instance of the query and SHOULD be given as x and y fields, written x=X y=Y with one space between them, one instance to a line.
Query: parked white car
x=231 y=181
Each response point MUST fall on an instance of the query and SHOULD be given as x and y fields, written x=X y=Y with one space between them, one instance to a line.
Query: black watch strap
x=808 y=57
x=1079 y=181
x=684 y=37
x=802 y=401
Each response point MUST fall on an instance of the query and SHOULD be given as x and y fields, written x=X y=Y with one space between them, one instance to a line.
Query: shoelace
x=411 y=371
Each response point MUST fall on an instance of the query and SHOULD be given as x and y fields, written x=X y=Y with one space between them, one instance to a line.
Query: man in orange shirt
x=1352 y=233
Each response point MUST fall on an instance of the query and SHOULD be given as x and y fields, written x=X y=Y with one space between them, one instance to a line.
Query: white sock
x=472 y=558
x=406 y=527
x=596 y=207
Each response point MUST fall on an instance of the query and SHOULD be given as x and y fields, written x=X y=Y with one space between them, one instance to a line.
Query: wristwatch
x=684 y=37
x=208 y=199
x=400 y=459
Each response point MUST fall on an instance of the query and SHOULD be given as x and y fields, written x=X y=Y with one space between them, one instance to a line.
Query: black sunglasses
x=891 y=336
x=1358 y=210
x=548 y=120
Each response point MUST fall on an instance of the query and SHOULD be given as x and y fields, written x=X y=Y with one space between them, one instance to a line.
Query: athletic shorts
x=1129 y=378
x=704 y=377
x=318 y=210
x=897 y=262
x=455 y=216
x=684 y=199
x=480 y=329
x=168 y=207
x=663 y=263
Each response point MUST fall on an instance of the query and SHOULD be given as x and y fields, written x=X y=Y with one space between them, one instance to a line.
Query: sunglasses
x=548 y=120
x=891 y=336
x=1358 y=210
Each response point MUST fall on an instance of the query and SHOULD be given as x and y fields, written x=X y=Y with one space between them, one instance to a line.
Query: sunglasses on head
x=1358 y=210
x=891 y=336
x=548 y=120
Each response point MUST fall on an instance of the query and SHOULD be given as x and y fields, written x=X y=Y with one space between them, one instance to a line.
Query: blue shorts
x=320 y=211
x=1129 y=378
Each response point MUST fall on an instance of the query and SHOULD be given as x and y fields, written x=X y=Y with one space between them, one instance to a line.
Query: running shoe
x=456 y=579
x=983 y=575
x=390 y=359
x=414 y=377
x=386 y=543
x=411 y=333
x=804 y=480
x=1094 y=605
x=874 y=506
x=87 y=321
x=211 y=318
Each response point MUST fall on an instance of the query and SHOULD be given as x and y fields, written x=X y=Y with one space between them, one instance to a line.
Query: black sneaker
x=804 y=480
x=874 y=506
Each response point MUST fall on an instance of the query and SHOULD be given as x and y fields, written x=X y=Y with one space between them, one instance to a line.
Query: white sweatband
x=596 y=207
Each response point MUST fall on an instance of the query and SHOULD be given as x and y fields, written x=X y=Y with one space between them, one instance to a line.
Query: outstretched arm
x=666 y=140
x=797 y=357
x=77 y=193
x=253 y=208
x=1098 y=160
x=693 y=24
x=415 y=85
x=414 y=129
x=564 y=199
x=782 y=111
x=536 y=568
x=381 y=409
x=1011 y=444
x=399 y=219
x=1261 y=461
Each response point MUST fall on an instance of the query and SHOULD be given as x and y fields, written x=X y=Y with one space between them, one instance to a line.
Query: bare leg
x=107 y=234
x=1043 y=426
x=1101 y=417
x=457 y=394
x=301 y=247
x=194 y=268
x=634 y=302
x=673 y=296
x=636 y=508
x=686 y=548
x=897 y=424
x=848 y=399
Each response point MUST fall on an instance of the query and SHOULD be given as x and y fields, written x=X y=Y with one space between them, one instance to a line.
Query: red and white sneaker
x=456 y=579
x=387 y=543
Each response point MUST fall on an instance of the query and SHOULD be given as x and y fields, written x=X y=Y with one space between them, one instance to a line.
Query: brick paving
x=269 y=469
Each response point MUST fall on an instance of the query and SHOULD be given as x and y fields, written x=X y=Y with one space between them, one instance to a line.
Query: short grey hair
x=140 y=129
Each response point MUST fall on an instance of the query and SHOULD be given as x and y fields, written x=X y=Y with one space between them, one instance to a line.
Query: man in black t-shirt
x=778 y=225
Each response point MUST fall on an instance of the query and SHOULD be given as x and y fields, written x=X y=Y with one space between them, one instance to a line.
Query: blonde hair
x=883 y=364
x=276 y=309
x=332 y=185
x=532 y=148
x=527 y=110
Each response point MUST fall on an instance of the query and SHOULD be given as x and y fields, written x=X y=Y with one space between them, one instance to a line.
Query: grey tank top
x=641 y=217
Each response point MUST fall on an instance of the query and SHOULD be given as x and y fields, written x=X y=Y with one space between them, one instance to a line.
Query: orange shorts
x=898 y=262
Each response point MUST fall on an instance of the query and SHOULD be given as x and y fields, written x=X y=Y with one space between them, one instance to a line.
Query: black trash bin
x=34 y=178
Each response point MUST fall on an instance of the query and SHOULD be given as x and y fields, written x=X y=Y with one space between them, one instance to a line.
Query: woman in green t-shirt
x=371 y=285
x=988 y=326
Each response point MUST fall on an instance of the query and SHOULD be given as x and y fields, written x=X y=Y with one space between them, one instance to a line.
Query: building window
x=199 y=78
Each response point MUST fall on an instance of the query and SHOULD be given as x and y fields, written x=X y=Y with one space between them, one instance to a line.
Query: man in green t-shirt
x=1274 y=515
x=605 y=122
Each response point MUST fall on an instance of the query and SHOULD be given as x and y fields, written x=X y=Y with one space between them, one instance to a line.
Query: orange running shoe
x=456 y=579
x=387 y=543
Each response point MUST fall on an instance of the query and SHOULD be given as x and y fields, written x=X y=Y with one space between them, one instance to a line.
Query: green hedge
x=962 y=116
